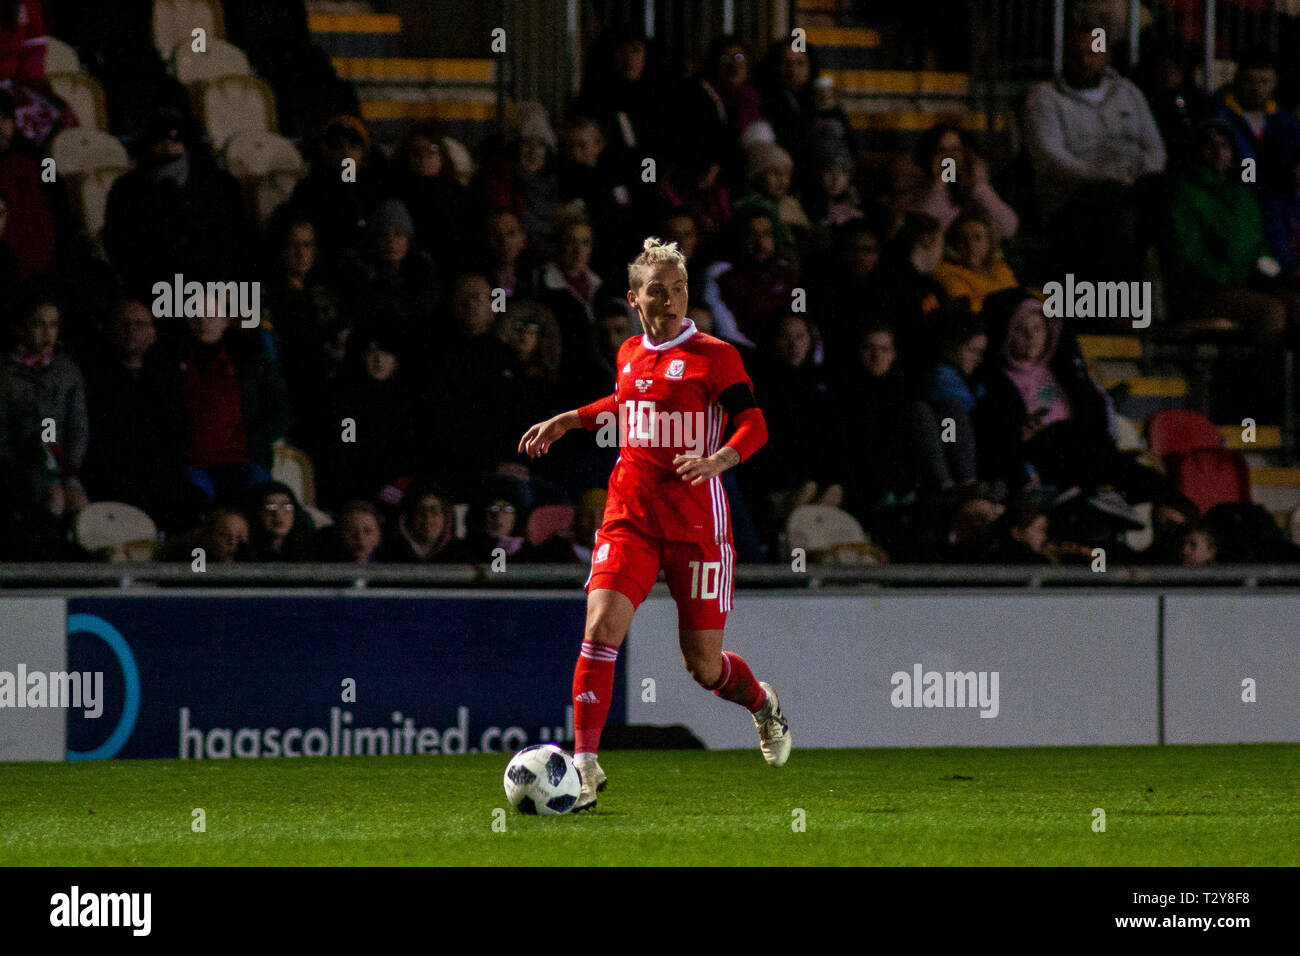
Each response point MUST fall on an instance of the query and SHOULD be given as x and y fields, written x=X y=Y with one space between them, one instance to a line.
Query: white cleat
x=593 y=781
x=773 y=729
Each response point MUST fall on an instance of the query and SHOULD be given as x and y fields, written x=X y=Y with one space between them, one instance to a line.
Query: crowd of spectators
x=413 y=324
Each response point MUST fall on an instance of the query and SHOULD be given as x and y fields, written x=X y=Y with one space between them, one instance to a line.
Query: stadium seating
x=236 y=104
x=175 y=20
x=268 y=167
x=293 y=467
x=115 y=531
x=91 y=199
x=220 y=59
x=1211 y=476
x=819 y=527
x=547 y=521
x=79 y=150
x=1177 y=431
x=60 y=57
x=84 y=95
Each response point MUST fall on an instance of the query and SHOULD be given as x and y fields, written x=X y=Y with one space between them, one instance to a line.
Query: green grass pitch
x=1171 y=806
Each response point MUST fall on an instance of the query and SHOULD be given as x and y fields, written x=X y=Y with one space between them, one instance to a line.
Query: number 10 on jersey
x=708 y=586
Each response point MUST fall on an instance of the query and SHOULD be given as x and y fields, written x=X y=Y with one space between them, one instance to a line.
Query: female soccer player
x=677 y=388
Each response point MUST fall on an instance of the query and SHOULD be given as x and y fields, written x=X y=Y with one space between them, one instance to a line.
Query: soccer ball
x=542 y=780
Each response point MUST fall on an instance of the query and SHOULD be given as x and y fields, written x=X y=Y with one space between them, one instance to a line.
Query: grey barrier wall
x=1232 y=668
x=897 y=668
x=919 y=670
x=33 y=635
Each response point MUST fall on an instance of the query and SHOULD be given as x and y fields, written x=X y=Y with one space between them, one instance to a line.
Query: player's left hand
x=698 y=470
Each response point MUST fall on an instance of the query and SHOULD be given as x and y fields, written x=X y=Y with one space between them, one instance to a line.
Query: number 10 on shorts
x=708 y=587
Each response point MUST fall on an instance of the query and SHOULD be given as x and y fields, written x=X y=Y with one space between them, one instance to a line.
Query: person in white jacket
x=1093 y=141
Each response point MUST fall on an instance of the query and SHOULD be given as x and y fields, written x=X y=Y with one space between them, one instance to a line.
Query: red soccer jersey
x=668 y=406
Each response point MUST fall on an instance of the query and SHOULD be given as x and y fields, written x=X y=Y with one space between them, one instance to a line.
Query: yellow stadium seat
x=237 y=104
x=82 y=149
x=82 y=92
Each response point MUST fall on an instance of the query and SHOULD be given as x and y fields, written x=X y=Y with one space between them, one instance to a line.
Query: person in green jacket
x=1219 y=259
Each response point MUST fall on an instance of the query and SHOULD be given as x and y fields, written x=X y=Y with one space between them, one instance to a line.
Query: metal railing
x=152 y=576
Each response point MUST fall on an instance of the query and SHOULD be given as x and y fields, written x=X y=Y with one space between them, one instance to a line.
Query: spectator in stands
x=176 y=212
x=341 y=188
x=891 y=448
x=1042 y=414
x=530 y=330
x=955 y=182
x=1092 y=140
x=235 y=403
x=1178 y=104
x=475 y=385
x=720 y=111
x=798 y=101
x=973 y=528
x=508 y=262
x=1281 y=208
x=47 y=425
x=22 y=41
x=833 y=200
x=1220 y=261
x=393 y=276
x=425 y=181
x=756 y=289
x=522 y=179
x=358 y=536
x=973 y=267
x=1199 y=548
x=1172 y=514
x=29 y=235
x=1261 y=130
x=424 y=527
x=620 y=90
x=136 y=451
x=769 y=170
x=9 y=275
x=800 y=416
x=907 y=292
x=224 y=536
x=693 y=186
x=311 y=327
x=570 y=289
x=605 y=194
x=954 y=391
x=496 y=514
x=848 y=290
x=281 y=528
x=368 y=434
x=1020 y=535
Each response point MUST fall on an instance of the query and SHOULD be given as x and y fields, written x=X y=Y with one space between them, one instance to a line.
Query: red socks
x=737 y=683
x=593 y=687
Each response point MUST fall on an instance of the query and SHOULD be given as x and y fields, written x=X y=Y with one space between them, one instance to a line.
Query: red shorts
x=699 y=573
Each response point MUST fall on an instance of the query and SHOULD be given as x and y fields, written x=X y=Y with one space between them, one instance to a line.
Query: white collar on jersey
x=688 y=329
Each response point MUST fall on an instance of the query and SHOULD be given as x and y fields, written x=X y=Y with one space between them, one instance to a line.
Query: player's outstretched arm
x=539 y=438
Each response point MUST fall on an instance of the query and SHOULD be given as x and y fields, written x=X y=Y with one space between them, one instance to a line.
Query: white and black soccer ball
x=542 y=780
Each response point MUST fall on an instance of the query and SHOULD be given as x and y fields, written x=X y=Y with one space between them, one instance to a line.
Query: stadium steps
x=1276 y=488
x=396 y=91
x=876 y=98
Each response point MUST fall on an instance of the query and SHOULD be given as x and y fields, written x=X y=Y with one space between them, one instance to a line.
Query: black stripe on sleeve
x=736 y=399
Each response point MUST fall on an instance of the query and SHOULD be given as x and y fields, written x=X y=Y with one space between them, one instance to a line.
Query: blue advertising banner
x=222 y=677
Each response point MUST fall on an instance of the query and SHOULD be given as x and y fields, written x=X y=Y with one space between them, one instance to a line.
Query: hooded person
x=424 y=528
x=1042 y=414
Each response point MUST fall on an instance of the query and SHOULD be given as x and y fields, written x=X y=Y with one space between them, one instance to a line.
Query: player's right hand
x=538 y=439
